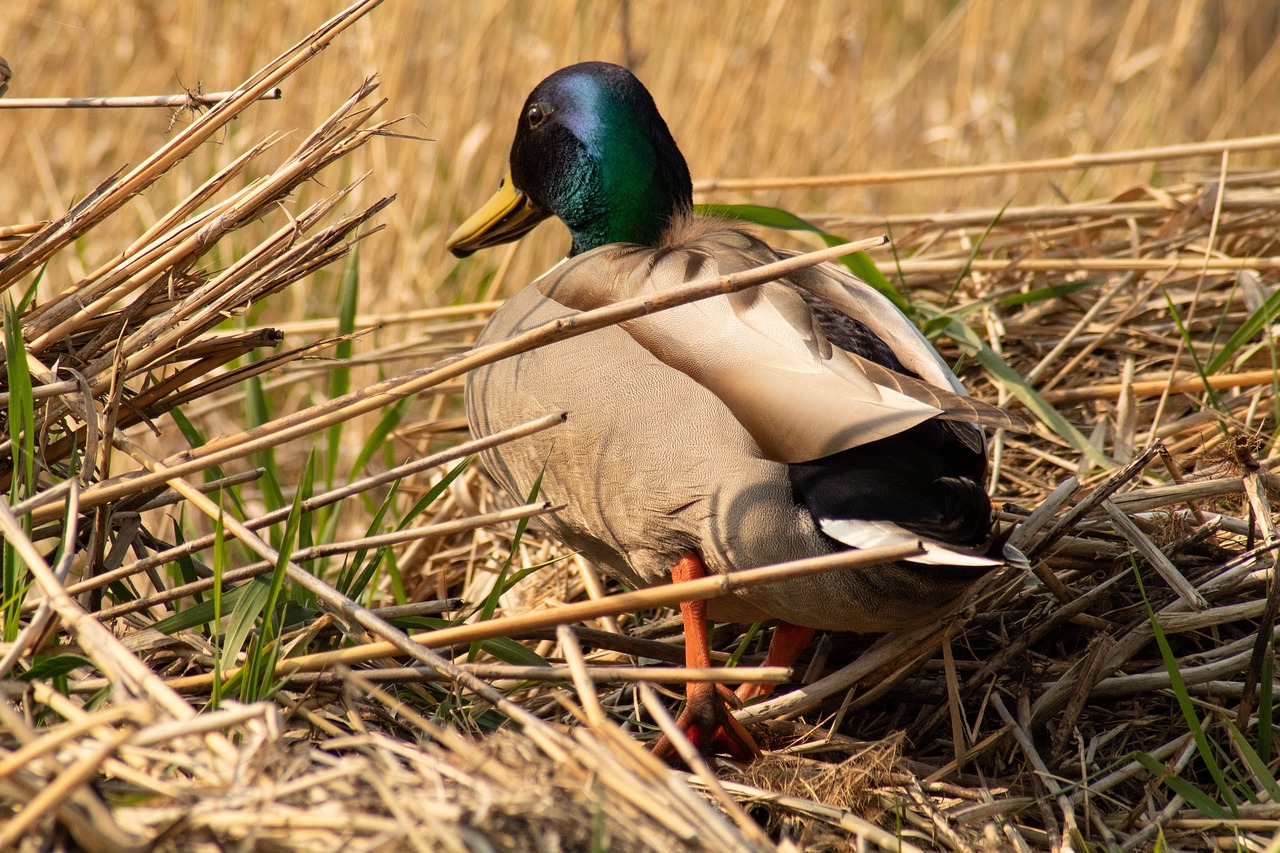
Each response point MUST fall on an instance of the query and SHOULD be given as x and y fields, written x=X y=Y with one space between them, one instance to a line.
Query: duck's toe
x=709 y=725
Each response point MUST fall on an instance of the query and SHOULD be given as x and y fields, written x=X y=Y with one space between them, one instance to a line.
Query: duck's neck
x=621 y=205
x=630 y=184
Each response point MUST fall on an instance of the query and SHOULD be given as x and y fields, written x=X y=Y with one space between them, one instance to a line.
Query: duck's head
x=592 y=150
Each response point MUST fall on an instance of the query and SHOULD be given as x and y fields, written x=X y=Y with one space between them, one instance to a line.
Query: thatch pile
x=288 y=690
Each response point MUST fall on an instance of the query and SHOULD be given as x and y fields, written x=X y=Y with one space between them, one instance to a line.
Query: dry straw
x=1088 y=703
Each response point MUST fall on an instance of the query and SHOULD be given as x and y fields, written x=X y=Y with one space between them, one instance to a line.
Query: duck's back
x=667 y=448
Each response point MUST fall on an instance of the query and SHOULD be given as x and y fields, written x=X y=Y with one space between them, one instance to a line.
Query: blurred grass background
x=750 y=89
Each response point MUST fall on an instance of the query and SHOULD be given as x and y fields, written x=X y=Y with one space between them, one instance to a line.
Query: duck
x=793 y=419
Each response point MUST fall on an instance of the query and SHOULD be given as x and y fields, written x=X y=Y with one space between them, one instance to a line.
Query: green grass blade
x=972 y=343
x=49 y=667
x=29 y=295
x=1179 y=687
x=509 y=651
x=17 y=583
x=1248 y=330
x=1053 y=291
x=502 y=648
x=1256 y=765
x=1193 y=795
x=859 y=263
x=430 y=496
x=190 y=434
x=257 y=413
x=260 y=660
x=184 y=565
x=399 y=595
x=490 y=604
x=246 y=602
x=196 y=439
x=973 y=254
x=203 y=613
x=21 y=412
x=219 y=566
x=358 y=574
x=1214 y=400
x=353 y=577
x=340 y=378
x=735 y=657
x=22 y=418
x=303 y=492
x=391 y=417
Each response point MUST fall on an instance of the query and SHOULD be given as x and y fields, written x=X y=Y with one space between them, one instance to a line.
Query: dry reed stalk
x=108 y=198
x=311 y=504
x=120 y=666
x=1126 y=527
x=49 y=797
x=191 y=101
x=302 y=555
x=644 y=599
x=701 y=771
x=1109 y=390
x=596 y=673
x=1067 y=265
x=637 y=784
x=84 y=815
x=1051 y=164
x=378 y=321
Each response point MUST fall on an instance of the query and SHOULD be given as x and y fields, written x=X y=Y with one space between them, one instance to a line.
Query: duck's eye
x=536 y=115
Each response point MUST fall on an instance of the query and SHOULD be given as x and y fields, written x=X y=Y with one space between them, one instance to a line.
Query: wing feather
x=762 y=353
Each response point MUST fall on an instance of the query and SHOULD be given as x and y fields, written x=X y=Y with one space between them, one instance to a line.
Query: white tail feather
x=859 y=533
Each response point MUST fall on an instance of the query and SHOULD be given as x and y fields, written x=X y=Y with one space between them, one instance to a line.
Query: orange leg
x=789 y=640
x=706 y=720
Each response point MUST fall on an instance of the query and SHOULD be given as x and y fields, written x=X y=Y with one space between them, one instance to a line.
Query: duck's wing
x=837 y=287
x=762 y=352
x=959 y=408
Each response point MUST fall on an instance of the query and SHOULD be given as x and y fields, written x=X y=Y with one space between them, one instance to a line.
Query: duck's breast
x=649 y=464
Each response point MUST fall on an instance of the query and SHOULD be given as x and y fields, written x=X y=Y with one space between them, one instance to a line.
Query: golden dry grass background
x=749 y=89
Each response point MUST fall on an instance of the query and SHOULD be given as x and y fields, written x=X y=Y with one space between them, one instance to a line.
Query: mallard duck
x=738 y=431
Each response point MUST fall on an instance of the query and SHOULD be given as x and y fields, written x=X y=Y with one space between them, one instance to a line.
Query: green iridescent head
x=592 y=150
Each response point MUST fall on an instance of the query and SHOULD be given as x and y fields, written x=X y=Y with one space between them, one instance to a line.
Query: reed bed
x=257 y=596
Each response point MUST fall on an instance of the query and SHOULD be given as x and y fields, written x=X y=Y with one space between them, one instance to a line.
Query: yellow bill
x=507 y=216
